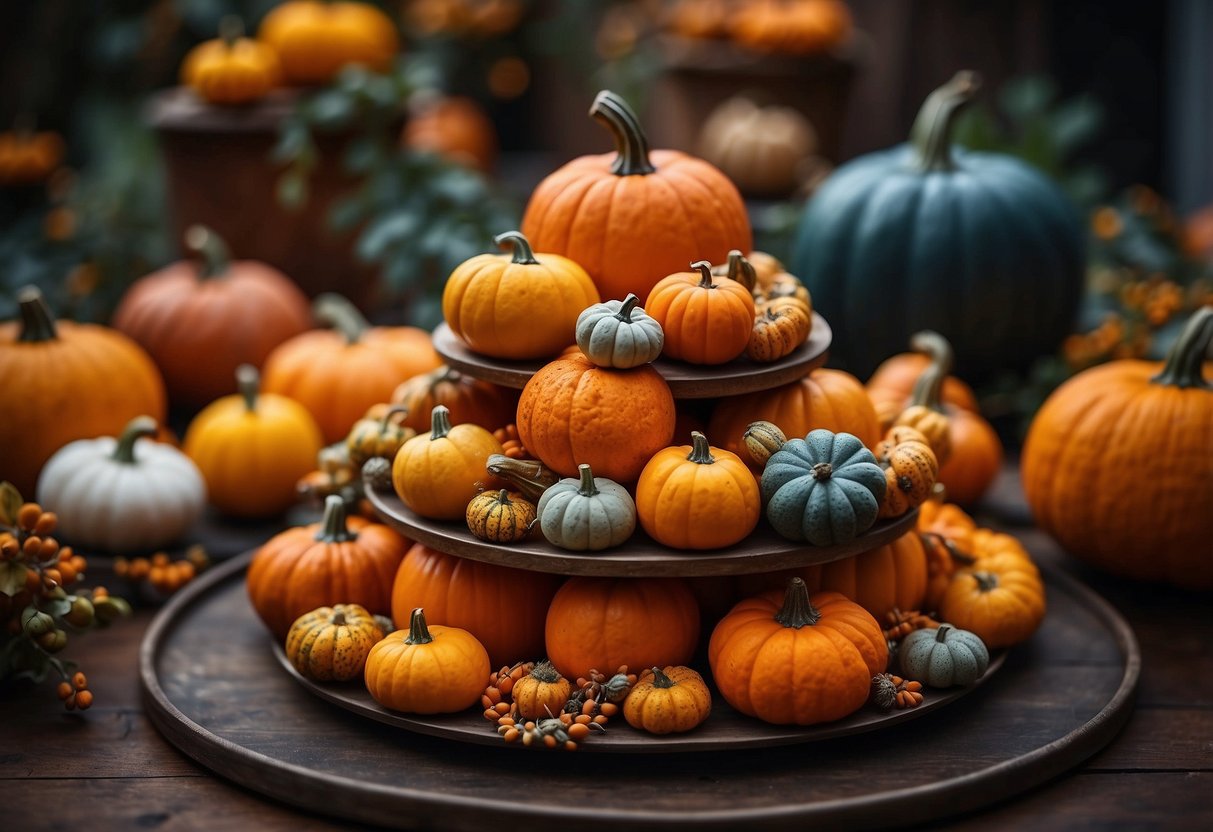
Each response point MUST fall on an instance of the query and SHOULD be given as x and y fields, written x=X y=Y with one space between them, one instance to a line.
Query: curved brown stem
x=1184 y=366
x=333 y=526
x=334 y=310
x=248 y=384
x=631 y=145
x=523 y=253
x=419 y=633
x=797 y=610
x=931 y=134
x=705 y=274
x=37 y=321
x=701 y=451
x=211 y=250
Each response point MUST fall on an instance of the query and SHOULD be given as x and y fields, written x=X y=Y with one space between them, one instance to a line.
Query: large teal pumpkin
x=978 y=246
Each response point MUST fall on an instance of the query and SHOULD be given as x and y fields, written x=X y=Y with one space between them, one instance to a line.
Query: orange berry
x=49 y=549
x=33 y=581
x=186 y=571
x=46 y=523
x=64 y=690
x=33 y=544
x=70 y=703
x=78 y=563
x=156 y=575
x=160 y=559
x=139 y=569
x=84 y=699
x=53 y=575
x=65 y=569
x=100 y=592
x=80 y=680
x=27 y=516
x=9 y=547
x=122 y=566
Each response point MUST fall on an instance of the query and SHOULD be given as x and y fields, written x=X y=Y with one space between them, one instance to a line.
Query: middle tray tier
x=763 y=551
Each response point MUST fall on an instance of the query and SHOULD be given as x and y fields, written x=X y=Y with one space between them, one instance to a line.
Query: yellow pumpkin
x=315 y=40
x=437 y=474
x=231 y=69
x=332 y=643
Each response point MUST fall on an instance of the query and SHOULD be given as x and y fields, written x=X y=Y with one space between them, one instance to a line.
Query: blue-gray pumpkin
x=943 y=657
x=824 y=489
x=978 y=246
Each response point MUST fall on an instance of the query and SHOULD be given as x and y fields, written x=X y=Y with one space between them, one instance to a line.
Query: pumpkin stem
x=625 y=311
x=124 y=451
x=210 y=247
x=333 y=526
x=935 y=346
x=1185 y=360
x=523 y=253
x=705 y=274
x=440 y=422
x=587 y=487
x=986 y=581
x=394 y=410
x=546 y=672
x=37 y=322
x=338 y=618
x=334 y=310
x=248 y=383
x=822 y=471
x=928 y=387
x=797 y=610
x=954 y=551
x=631 y=145
x=503 y=496
x=231 y=29
x=660 y=680
x=419 y=633
x=941 y=633
x=701 y=451
x=741 y=270
x=931 y=134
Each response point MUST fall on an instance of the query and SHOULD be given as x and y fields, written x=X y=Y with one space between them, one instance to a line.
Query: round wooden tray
x=212 y=687
x=687 y=381
x=725 y=729
x=763 y=551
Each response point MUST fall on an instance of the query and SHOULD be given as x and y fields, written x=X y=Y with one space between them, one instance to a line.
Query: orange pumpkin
x=231 y=69
x=469 y=400
x=28 y=157
x=706 y=319
x=572 y=412
x=74 y=381
x=436 y=474
x=1118 y=464
x=830 y=399
x=976 y=457
x=632 y=217
x=315 y=40
x=252 y=449
x=338 y=374
x=922 y=416
x=910 y=470
x=787 y=658
x=427 y=670
x=607 y=622
x=1000 y=598
x=339 y=560
x=504 y=608
x=516 y=307
x=892 y=383
x=800 y=27
x=453 y=127
x=200 y=320
x=697 y=497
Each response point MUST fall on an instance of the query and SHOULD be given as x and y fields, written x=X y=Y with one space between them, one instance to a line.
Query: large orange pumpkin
x=634 y=216
x=504 y=608
x=706 y=319
x=28 y=157
x=1118 y=464
x=829 y=399
x=200 y=320
x=470 y=400
x=67 y=381
x=338 y=374
x=315 y=39
x=572 y=412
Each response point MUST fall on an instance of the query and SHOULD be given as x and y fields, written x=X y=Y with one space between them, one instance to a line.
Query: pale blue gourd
x=587 y=513
x=944 y=657
x=617 y=333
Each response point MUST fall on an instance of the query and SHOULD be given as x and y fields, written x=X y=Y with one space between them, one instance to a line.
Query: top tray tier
x=687 y=381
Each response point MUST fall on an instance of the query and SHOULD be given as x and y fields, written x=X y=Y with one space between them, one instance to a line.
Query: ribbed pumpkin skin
x=976 y=457
x=314 y=39
x=199 y=330
x=88 y=381
x=605 y=622
x=1000 y=598
x=706 y=319
x=944 y=657
x=504 y=608
x=829 y=399
x=894 y=380
x=323 y=650
x=893 y=575
x=444 y=675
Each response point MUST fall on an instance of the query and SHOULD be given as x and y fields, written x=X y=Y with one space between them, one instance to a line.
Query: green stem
x=705 y=274
x=248 y=383
x=440 y=422
x=37 y=322
x=1185 y=361
x=231 y=29
x=587 y=487
x=333 y=528
x=931 y=134
x=741 y=270
x=701 y=451
x=928 y=387
x=660 y=680
x=523 y=253
x=210 y=248
x=140 y=426
x=338 y=618
x=394 y=410
x=334 y=310
x=419 y=633
x=631 y=146
x=625 y=310
x=797 y=611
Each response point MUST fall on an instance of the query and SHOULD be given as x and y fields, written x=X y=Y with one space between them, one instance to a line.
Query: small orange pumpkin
x=667 y=701
x=315 y=40
x=706 y=319
x=1000 y=598
x=332 y=643
x=469 y=399
x=427 y=670
x=779 y=328
x=453 y=127
x=438 y=473
x=910 y=470
x=542 y=692
x=232 y=69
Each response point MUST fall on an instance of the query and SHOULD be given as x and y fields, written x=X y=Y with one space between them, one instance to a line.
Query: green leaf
x=332 y=108
x=57 y=608
x=292 y=190
x=383 y=233
x=10 y=503
x=1075 y=123
x=293 y=140
x=346 y=213
x=12 y=578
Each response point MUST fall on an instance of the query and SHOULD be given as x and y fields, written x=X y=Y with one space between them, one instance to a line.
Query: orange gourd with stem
x=427 y=670
x=469 y=399
x=706 y=319
x=437 y=473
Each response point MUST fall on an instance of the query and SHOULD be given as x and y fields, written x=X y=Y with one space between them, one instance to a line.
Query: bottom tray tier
x=213 y=687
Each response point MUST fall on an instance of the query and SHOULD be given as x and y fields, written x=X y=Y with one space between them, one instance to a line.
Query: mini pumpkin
x=331 y=643
x=943 y=657
x=438 y=473
x=378 y=435
x=427 y=670
x=667 y=701
x=469 y=399
x=760 y=440
x=542 y=692
x=315 y=40
x=910 y=470
x=697 y=497
x=778 y=331
x=706 y=319
x=1001 y=598
x=824 y=489
x=232 y=69
x=587 y=513
x=522 y=306
x=618 y=334
x=454 y=127
x=500 y=516
x=926 y=419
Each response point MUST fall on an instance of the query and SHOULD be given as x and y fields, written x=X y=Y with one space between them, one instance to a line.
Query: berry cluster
x=161 y=573
x=75 y=694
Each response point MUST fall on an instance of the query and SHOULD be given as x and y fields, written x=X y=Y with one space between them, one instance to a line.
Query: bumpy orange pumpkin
x=1118 y=464
x=74 y=381
x=315 y=39
x=338 y=560
x=469 y=399
x=542 y=692
x=608 y=622
x=427 y=670
x=910 y=470
x=634 y=216
x=436 y=474
x=922 y=416
x=829 y=399
x=200 y=320
x=787 y=658
x=516 y=306
x=332 y=643
x=232 y=69
x=572 y=412
x=338 y=374
x=667 y=701
x=697 y=497
x=504 y=608
x=456 y=128
x=706 y=319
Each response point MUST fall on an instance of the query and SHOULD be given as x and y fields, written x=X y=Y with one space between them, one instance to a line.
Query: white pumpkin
x=586 y=514
x=122 y=495
x=617 y=334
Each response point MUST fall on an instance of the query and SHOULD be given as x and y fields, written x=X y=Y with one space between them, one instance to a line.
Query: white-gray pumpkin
x=586 y=514
x=618 y=334
x=943 y=657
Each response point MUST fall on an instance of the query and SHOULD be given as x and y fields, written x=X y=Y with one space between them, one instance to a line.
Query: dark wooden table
x=109 y=769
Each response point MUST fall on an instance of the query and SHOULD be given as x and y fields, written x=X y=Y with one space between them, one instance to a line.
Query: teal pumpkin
x=824 y=489
x=943 y=657
x=981 y=247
